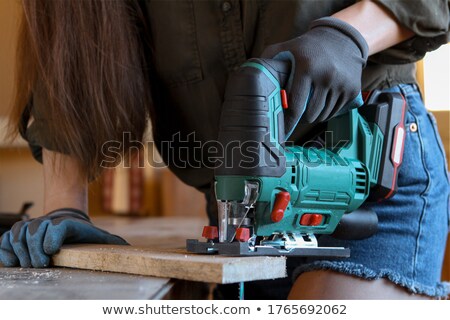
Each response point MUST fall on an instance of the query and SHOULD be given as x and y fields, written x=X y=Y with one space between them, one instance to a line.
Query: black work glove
x=33 y=242
x=327 y=63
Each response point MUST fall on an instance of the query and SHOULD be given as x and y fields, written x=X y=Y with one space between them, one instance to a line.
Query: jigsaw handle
x=251 y=129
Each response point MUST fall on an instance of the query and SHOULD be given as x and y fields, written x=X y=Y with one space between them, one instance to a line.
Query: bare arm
x=377 y=25
x=64 y=186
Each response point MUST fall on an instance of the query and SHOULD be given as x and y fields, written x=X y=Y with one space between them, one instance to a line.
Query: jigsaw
x=275 y=197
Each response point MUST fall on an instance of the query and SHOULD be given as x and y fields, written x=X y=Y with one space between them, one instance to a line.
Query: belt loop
x=407 y=89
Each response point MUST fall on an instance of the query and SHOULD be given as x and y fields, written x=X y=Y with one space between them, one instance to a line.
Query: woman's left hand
x=327 y=63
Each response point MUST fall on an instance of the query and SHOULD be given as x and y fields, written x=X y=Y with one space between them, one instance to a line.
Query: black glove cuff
x=73 y=211
x=346 y=29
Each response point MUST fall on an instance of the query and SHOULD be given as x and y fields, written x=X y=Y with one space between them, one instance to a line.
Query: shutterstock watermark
x=186 y=151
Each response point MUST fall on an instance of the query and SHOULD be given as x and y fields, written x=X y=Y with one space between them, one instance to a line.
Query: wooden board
x=158 y=250
x=171 y=263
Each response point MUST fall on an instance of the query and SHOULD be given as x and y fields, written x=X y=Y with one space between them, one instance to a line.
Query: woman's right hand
x=32 y=243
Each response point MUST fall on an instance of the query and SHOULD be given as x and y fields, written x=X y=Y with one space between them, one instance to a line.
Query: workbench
x=68 y=284
x=167 y=235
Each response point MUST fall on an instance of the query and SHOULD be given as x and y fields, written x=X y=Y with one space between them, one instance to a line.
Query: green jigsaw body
x=329 y=182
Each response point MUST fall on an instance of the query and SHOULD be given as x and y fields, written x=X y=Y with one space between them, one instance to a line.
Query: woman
x=91 y=70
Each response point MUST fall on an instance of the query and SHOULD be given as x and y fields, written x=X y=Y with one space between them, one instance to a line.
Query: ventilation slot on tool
x=293 y=175
x=361 y=178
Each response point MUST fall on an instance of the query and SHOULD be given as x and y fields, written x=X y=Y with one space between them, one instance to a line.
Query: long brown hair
x=89 y=59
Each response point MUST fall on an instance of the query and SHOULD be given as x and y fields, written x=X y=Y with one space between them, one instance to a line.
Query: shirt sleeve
x=428 y=19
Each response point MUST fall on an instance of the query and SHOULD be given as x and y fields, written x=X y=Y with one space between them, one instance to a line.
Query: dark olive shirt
x=196 y=44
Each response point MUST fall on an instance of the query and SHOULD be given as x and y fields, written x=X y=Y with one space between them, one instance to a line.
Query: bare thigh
x=330 y=285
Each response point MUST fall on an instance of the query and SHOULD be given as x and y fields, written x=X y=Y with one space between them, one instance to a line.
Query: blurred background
x=150 y=191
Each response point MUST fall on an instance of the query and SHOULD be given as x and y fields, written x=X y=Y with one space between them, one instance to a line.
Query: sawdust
x=11 y=277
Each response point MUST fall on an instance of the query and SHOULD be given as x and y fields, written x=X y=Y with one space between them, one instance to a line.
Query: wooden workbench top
x=68 y=284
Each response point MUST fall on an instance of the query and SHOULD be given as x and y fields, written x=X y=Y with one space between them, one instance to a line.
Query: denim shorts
x=409 y=247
